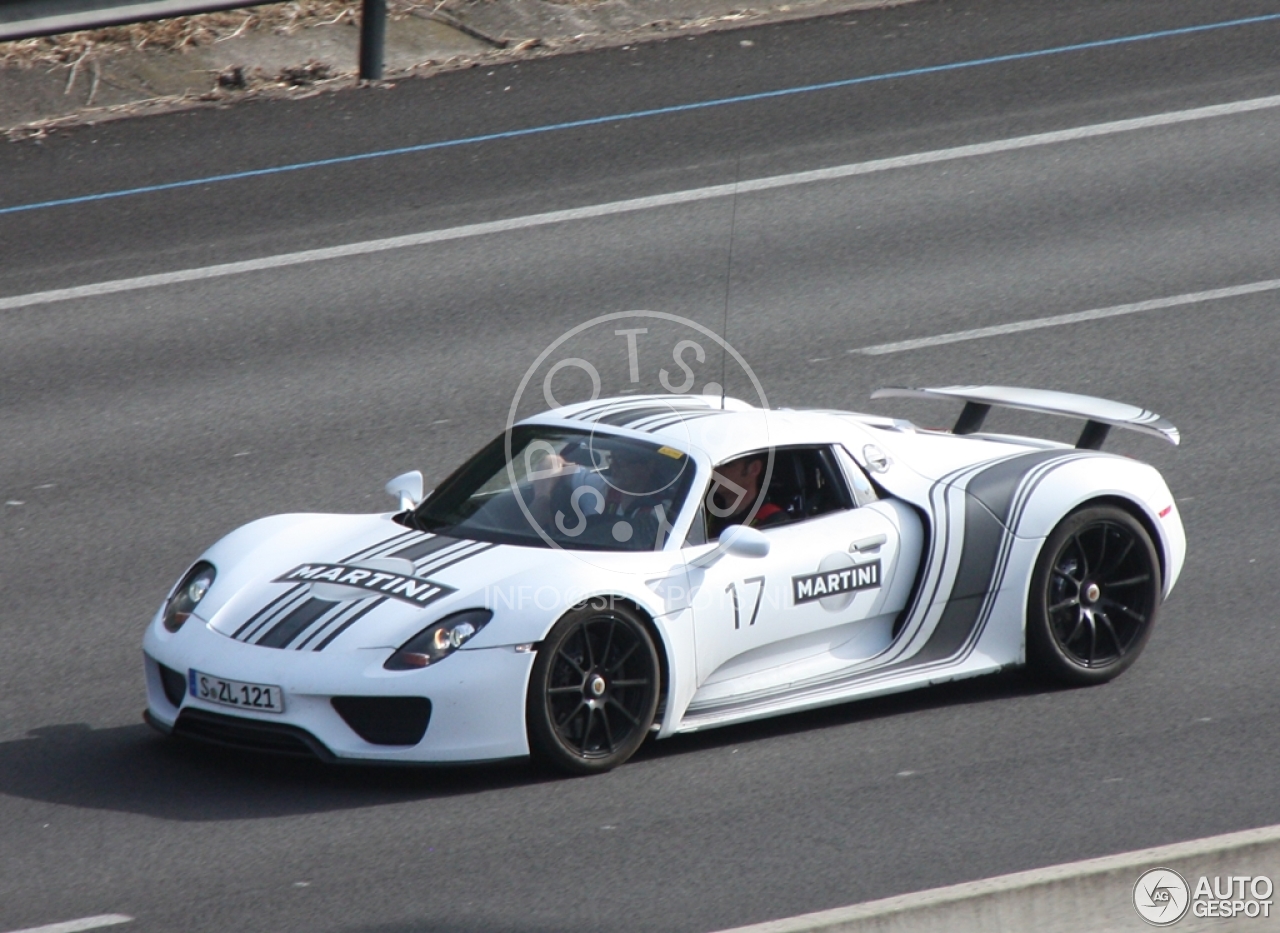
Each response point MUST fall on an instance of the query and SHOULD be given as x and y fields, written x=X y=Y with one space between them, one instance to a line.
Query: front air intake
x=174 y=684
x=385 y=720
x=249 y=734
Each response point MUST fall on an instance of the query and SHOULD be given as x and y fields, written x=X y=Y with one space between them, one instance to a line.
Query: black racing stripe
x=949 y=642
x=691 y=415
x=430 y=568
x=337 y=619
x=424 y=568
x=457 y=560
x=420 y=549
x=988 y=501
x=937 y=528
x=248 y=629
x=982 y=537
x=586 y=413
x=441 y=592
x=267 y=610
x=940 y=544
x=996 y=486
x=300 y=595
x=373 y=550
x=643 y=423
x=1031 y=482
x=288 y=628
x=593 y=413
x=619 y=404
x=350 y=622
x=636 y=413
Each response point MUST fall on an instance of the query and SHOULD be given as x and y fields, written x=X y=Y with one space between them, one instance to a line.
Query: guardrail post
x=373 y=36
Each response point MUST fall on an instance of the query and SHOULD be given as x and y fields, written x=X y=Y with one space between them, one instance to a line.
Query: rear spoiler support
x=971 y=418
x=1100 y=414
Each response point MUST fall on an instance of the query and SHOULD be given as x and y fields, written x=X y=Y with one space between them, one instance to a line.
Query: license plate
x=264 y=698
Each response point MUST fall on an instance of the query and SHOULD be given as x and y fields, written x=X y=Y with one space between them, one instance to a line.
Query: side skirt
x=796 y=701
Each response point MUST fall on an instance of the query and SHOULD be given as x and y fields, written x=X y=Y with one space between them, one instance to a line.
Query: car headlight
x=187 y=594
x=438 y=641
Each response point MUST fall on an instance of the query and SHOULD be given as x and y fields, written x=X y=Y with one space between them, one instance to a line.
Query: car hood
x=341 y=582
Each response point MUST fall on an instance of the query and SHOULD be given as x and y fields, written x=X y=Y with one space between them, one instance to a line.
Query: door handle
x=872 y=543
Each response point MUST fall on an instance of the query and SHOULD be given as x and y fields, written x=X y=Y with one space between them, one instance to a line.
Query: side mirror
x=407 y=489
x=738 y=540
x=744 y=541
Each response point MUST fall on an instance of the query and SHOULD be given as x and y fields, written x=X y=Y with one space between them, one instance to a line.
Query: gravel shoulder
x=308 y=47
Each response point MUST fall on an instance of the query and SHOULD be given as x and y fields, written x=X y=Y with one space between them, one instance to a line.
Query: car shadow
x=132 y=769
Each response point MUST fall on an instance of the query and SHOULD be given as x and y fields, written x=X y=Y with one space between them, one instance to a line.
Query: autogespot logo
x=1161 y=896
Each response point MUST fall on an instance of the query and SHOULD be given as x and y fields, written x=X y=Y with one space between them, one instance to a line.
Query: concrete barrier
x=1093 y=896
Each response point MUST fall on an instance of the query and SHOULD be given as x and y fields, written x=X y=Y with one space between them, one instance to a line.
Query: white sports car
x=666 y=564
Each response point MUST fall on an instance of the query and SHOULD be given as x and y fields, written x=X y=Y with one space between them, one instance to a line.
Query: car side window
x=803 y=483
x=861 y=487
x=810 y=483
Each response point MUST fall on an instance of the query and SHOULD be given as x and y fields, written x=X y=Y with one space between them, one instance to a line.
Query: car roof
x=698 y=423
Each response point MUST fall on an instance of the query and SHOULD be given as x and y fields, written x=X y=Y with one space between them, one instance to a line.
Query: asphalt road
x=140 y=426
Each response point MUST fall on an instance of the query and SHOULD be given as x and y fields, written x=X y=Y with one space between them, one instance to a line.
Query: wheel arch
x=1141 y=516
x=1101 y=479
x=660 y=642
x=1045 y=654
x=1132 y=507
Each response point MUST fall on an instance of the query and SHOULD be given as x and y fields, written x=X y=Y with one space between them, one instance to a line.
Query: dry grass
x=74 y=48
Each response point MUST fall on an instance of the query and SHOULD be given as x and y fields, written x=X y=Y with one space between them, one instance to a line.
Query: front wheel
x=1093 y=599
x=593 y=693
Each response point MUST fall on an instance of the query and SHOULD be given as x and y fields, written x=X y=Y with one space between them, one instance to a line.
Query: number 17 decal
x=732 y=590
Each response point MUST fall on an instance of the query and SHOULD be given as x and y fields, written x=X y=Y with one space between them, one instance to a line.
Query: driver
x=635 y=484
x=735 y=489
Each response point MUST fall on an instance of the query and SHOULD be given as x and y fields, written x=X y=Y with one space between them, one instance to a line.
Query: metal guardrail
x=26 y=19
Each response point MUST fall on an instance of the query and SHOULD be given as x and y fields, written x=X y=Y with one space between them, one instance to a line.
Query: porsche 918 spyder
x=657 y=565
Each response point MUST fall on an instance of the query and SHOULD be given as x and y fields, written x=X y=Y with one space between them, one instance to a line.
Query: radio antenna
x=728 y=284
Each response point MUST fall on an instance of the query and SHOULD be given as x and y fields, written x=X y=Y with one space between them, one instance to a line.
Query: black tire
x=1094 y=597
x=594 y=689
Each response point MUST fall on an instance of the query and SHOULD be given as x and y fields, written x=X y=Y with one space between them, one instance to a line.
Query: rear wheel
x=594 y=689
x=1094 y=597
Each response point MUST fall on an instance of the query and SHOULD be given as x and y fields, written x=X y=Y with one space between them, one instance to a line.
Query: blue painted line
x=641 y=114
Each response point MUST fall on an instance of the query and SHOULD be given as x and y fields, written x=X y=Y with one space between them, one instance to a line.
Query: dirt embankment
x=310 y=46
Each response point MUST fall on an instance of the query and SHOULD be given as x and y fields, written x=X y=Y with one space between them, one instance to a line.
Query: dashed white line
x=76 y=926
x=1018 y=327
x=637 y=204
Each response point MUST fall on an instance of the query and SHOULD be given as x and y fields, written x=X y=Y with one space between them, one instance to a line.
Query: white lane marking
x=636 y=204
x=1017 y=327
x=75 y=926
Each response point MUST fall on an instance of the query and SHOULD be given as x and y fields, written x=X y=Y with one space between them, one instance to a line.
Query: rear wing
x=1100 y=414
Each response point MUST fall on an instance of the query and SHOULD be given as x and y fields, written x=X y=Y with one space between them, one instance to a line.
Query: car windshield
x=563 y=488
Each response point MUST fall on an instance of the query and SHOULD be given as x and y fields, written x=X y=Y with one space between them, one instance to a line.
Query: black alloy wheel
x=1094 y=597
x=594 y=689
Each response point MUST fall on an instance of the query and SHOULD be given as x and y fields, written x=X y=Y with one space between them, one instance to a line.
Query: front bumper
x=476 y=698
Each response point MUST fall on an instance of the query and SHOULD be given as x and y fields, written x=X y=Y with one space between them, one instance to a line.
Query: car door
x=820 y=589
